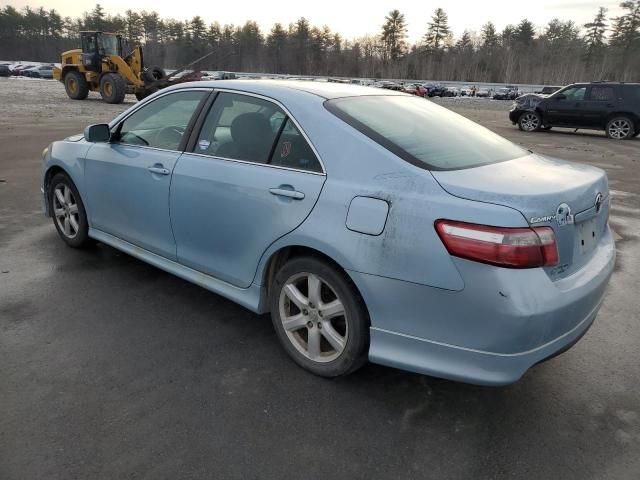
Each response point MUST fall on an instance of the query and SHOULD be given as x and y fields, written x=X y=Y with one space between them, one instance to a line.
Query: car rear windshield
x=423 y=133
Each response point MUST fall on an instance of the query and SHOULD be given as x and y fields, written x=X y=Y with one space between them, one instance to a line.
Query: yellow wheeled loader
x=99 y=66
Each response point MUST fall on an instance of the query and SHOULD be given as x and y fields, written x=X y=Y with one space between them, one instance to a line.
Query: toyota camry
x=371 y=224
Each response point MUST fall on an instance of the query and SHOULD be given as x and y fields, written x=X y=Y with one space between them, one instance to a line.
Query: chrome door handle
x=283 y=192
x=159 y=170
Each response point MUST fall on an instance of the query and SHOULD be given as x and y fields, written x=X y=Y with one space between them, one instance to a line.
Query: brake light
x=501 y=246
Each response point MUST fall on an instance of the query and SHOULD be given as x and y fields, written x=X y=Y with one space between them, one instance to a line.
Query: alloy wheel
x=529 y=122
x=619 y=128
x=313 y=317
x=65 y=210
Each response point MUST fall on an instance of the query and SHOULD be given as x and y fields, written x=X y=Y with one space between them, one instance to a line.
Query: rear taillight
x=501 y=246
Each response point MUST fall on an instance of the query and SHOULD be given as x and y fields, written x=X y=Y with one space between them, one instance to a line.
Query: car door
x=599 y=102
x=128 y=178
x=252 y=176
x=566 y=107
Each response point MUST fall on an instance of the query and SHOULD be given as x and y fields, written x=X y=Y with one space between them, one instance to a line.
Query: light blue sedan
x=371 y=224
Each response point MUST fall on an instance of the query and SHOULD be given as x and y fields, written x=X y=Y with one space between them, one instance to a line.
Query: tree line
x=560 y=52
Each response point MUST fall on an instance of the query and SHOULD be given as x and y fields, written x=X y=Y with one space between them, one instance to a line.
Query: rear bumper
x=466 y=365
x=502 y=323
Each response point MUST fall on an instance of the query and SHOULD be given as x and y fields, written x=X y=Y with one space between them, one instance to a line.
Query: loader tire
x=154 y=73
x=76 y=86
x=113 y=88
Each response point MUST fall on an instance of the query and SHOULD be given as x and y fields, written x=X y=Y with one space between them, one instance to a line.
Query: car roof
x=327 y=90
x=587 y=84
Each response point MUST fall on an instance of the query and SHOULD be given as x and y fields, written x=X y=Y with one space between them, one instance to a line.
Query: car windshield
x=423 y=133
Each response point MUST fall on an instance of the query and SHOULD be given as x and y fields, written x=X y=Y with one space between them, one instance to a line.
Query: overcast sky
x=349 y=18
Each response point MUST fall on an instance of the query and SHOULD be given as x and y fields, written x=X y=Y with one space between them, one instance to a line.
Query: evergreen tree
x=594 y=37
x=394 y=33
x=524 y=33
x=438 y=32
x=489 y=35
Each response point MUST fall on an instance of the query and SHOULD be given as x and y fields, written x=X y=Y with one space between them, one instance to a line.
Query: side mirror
x=562 y=96
x=97 y=133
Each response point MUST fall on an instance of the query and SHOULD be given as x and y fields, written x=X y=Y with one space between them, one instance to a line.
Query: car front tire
x=530 y=122
x=319 y=317
x=67 y=211
x=620 y=128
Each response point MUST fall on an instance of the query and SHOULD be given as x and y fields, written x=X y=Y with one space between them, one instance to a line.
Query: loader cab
x=96 y=46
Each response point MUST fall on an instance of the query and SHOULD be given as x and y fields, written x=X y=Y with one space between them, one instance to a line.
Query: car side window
x=293 y=151
x=575 y=93
x=161 y=123
x=602 y=94
x=631 y=92
x=240 y=127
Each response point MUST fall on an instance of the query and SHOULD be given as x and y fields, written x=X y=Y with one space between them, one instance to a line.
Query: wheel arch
x=58 y=151
x=281 y=255
x=51 y=172
x=622 y=113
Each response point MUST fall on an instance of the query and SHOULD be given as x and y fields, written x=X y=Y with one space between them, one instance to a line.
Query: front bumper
x=514 y=115
x=45 y=202
x=490 y=333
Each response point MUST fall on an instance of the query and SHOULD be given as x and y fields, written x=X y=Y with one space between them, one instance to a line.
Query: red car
x=414 y=89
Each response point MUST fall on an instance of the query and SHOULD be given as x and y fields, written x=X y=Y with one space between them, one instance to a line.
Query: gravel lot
x=110 y=368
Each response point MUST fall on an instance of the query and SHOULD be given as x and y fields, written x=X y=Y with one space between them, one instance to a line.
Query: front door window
x=161 y=123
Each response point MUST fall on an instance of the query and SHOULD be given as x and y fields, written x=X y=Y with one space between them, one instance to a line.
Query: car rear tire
x=620 y=128
x=67 y=211
x=113 y=88
x=76 y=85
x=530 y=122
x=319 y=317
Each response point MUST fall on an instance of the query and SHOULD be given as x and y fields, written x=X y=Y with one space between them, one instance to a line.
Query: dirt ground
x=111 y=368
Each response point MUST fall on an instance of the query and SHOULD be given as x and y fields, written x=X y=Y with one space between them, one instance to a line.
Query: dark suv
x=608 y=106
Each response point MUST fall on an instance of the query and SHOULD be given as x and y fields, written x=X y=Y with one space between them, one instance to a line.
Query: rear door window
x=293 y=151
x=602 y=94
x=251 y=129
x=240 y=127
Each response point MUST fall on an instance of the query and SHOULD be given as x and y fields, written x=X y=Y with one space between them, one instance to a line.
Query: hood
x=75 y=138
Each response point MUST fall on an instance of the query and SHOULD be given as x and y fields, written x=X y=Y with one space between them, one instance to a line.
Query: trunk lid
x=548 y=192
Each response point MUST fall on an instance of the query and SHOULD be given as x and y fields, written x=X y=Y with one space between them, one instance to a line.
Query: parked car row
x=609 y=106
x=439 y=90
x=33 y=71
x=507 y=93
